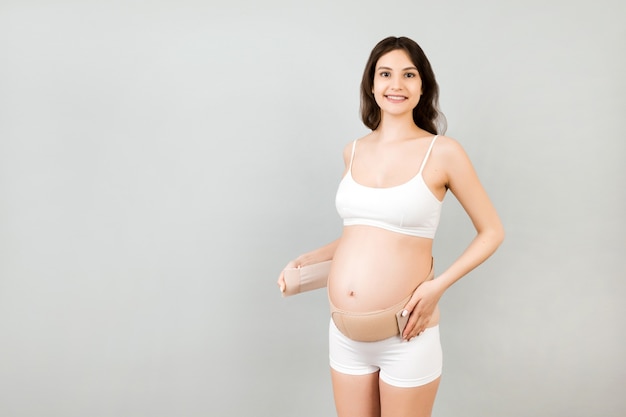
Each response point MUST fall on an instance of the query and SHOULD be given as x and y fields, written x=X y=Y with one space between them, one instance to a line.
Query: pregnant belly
x=374 y=268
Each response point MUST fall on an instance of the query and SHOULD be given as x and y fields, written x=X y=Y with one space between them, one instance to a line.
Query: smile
x=396 y=98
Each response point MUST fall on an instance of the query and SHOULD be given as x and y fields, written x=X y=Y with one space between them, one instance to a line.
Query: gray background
x=160 y=162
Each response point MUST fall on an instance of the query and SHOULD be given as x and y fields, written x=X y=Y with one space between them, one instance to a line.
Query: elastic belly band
x=371 y=326
x=306 y=278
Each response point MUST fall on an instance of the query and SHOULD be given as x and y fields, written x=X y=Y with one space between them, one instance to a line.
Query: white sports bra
x=409 y=208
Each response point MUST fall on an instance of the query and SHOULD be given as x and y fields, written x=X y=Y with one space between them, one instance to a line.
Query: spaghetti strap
x=352 y=156
x=430 y=148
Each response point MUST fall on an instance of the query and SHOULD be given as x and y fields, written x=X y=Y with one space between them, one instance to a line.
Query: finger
x=408 y=308
x=416 y=325
x=281 y=282
x=409 y=329
x=282 y=285
x=421 y=326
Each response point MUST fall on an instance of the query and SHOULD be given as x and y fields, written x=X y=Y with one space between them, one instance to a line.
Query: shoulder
x=448 y=149
x=347 y=152
x=348 y=147
x=453 y=161
x=445 y=144
x=450 y=158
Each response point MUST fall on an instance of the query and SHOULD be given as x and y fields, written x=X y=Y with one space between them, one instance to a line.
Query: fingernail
x=404 y=313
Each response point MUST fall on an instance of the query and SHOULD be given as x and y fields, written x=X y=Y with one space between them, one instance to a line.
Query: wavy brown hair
x=426 y=114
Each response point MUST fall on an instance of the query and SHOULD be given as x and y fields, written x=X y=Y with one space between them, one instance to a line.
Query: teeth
x=396 y=97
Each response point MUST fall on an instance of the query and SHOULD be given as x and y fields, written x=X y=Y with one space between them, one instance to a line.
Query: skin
x=374 y=268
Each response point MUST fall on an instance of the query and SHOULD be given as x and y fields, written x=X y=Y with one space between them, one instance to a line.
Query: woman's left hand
x=421 y=308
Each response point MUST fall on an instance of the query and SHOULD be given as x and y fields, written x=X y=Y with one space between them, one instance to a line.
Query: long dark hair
x=426 y=114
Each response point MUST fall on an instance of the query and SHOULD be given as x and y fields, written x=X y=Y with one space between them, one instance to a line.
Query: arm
x=324 y=253
x=462 y=181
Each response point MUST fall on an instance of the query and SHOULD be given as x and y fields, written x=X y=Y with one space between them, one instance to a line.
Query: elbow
x=498 y=235
x=492 y=236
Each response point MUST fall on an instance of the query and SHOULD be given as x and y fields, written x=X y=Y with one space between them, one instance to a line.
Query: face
x=397 y=84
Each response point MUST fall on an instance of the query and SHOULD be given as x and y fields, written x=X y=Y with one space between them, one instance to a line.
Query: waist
x=374 y=325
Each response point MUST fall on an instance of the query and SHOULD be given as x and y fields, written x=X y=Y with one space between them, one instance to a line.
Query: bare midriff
x=374 y=268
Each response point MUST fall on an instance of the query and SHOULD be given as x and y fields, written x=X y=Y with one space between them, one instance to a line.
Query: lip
x=395 y=98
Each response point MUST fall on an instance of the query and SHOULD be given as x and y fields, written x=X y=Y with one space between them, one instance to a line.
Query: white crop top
x=409 y=208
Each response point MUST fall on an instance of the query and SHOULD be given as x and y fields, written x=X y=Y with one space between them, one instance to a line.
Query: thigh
x=355 y=378
x=413 y=363
x=410 y=375
x=356 y=395
x=408 y=402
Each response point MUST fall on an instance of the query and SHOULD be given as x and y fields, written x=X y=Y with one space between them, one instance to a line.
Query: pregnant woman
x=384 y=347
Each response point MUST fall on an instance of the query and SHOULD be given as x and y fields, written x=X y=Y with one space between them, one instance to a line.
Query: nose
x=396 y=82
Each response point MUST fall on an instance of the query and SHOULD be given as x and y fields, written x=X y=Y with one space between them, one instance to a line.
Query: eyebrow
x=403 y=69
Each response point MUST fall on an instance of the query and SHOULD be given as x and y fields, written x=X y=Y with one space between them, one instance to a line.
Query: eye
x=410 y=75
x=385 y=74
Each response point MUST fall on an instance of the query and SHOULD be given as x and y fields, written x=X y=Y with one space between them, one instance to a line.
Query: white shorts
x=401 y=363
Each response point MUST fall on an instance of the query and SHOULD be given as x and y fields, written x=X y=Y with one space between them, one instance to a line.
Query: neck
x=401 y=127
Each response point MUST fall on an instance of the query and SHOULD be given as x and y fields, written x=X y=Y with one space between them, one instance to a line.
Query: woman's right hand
x=324 y=253
x=281 y=278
